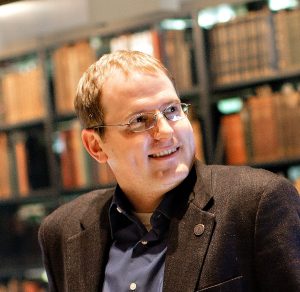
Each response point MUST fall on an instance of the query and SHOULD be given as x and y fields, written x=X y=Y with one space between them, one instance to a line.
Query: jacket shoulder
x=66 y=218
x=242 y=185
x=245 y=178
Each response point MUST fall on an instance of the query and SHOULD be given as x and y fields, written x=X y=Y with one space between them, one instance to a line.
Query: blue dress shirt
x=137 y=256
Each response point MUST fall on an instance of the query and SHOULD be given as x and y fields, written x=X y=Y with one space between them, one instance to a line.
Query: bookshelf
x=209 y=68
x=246 y=58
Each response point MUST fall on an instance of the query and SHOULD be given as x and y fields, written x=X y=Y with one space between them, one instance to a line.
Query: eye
x=140 y=122
x=173 y=112
x=173 y=109
x=141 y=118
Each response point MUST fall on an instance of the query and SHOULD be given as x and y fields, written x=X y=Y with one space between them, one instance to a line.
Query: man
x=171 y=223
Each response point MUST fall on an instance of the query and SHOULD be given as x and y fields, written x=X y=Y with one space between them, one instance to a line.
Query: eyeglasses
x=147 y=120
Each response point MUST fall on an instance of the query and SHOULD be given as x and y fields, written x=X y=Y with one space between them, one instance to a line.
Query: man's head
x=125 y=87
x=88 y=103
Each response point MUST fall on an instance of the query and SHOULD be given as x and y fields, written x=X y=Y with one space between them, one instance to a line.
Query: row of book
x=258 y=44
x=266 y=129
x=252 y=46
x=173 y=47
x=24 y=164
x=22 y=92
x=22 y=95
x=242 y=48
x=15 y=285
x=25 y=168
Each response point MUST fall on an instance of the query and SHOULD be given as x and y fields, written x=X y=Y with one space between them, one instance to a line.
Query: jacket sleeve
x=277 y=238
x=52 y=256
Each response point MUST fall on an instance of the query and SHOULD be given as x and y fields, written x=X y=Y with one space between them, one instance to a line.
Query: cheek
x=186 y=132
x=131 y=151
x=187 y=135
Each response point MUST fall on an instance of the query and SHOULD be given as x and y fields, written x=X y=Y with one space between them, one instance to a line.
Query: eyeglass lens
x=146 y=121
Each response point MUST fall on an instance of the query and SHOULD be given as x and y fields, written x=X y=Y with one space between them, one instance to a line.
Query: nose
x=162 y=128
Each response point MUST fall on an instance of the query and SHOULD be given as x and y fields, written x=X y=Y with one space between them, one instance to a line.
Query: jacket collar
x=189 y=237
x=87 y=252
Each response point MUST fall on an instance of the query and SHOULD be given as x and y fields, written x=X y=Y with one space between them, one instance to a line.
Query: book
x=198 y=136
x=233 y=133
x=297 y=185
x=22 y=95
x=5 y=185
x=16 y=285
x=9 y=89
x=76 y=164
x=178 y=58
x=289 y=109
x=146 y=41
x=263 y=126
x=286 y=26
x=69 y=63
x=268 y=123
x=21 y=164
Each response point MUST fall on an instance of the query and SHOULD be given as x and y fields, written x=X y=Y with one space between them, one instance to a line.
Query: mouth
x=164 y=153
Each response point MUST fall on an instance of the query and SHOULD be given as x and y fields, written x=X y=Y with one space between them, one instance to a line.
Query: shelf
x=277 y=164
x=65 y=117
x=36 y=196
x=194 y=5
x=32 y=272
x=192 y=92
x=276 y=77
x=23 y=125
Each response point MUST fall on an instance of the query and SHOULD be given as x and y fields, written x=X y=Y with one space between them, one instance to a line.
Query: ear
x=92 y=143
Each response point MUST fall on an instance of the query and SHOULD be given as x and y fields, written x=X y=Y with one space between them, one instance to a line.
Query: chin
x=173 y=178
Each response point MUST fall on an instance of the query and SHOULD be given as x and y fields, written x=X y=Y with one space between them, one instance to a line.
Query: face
x=150 y=162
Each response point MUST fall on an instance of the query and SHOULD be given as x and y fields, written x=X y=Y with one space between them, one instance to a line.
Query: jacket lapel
x=190 y=235
x=87 y=252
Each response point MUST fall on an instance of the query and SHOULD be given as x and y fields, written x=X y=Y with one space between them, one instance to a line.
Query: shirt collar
x=174 y=200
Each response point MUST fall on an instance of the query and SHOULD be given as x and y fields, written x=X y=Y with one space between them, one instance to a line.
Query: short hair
x=90 y=87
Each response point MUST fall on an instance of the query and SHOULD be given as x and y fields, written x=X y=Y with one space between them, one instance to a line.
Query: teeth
x=164 y=153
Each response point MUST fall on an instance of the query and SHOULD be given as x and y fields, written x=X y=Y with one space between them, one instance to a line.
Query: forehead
x=138 y=91
x=134 y=81
x=136 y=85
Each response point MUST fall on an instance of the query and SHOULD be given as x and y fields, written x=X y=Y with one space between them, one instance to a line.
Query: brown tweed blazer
x=240 y=231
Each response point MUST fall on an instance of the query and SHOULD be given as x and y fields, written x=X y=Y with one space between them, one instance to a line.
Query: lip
x=165 y=153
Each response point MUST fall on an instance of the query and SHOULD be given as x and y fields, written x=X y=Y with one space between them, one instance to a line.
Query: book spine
x=233 y=133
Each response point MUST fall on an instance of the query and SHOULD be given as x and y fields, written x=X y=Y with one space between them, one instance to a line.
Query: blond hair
x=90 y=87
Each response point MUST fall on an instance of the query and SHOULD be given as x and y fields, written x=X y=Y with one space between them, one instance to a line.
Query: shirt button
x=144 y=242
x=132 y=286
x=119 y=210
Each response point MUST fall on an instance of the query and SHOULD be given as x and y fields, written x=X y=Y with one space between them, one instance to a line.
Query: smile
x=164 y=153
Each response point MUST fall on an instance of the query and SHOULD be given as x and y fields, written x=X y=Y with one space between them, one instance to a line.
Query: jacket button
x=199 y=229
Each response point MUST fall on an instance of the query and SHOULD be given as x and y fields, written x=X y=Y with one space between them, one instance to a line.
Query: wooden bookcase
x=38 y=147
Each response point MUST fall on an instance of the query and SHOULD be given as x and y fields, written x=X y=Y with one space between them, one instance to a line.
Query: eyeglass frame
x=155 y=115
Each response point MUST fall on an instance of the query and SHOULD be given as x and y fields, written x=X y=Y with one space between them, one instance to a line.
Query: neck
x=144 y=203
